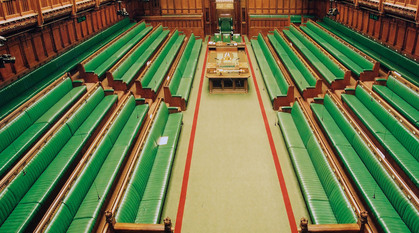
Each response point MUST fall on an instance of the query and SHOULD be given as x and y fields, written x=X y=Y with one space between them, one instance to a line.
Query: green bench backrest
x=98 y=169
x=157 y=71
x=19 y=124
x=403 y=135
x=406 y=93
x=394 y=194
x=351 y=54
x=295 y=59
x=126 y=65
x=21 y=184
x=279 y=77
x=338 y=200
x=177 y=75
x=333 y=67
x=128 y=209
x=113 y=48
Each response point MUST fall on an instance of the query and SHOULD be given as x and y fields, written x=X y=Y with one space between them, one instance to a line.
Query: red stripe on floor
x=290 y=213
x=181 y=207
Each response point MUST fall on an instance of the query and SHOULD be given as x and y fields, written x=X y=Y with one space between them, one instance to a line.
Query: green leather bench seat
x=181 y=82
x=351 y=59
x=108 y=57
x=324 y=197
x=155 y=74
x=295 y=18
x=302 y=77
x=274 y=79
x=20 y=91
x=24 y=130
x=129 y=68
x=400 y=97
x=387 y=203
x=81 y=207
x=29 y=191
x=398 y=141
x=387 y=57
x=144 y=197
x=326 y=67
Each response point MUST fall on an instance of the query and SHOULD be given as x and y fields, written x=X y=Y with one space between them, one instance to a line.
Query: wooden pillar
x=74 y=8
x=40 y=16
x=417 y=13
x=381 y=6
x=97 y=4
x=19 y=7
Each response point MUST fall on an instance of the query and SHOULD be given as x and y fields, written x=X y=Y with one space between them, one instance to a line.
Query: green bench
x=21 y=132
x=144 y=196
x=102 y=61
x=400 y=143
x=324 y=197
x=80 y=208
x=389 y=58
x=402 y=98
x=330 y=70
x=273 y=77
x=387 y=203
x=128 y=69
x=358 y=64
x=30 y=191
x=20 y=91
x=181 y=82
x=155 y=74
x=304 y=79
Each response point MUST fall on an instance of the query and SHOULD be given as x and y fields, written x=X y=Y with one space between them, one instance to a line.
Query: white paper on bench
x=162 y=140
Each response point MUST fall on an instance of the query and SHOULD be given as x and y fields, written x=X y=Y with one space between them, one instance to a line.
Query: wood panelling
x=188 y=24
x=280 y=7
x=264 y=25
x=35 y=47
x=174 y=7
x=399 y=34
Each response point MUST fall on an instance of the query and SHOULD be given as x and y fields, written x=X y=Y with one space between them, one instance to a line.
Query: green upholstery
x=326 y=67
x=295 y=18
x=181 y=82
x=387 y=203
x=24 y=130
x=80 y=208
x=27 y=194
x=398 y=141
x=226 y=25
x=128 y=69
x=217 y=37
x=400 y=97
x=237 y=38
x=348 y=57
x=155 y=74
x=322 y=192
x=109 y=56
x=274 y=79
x=301 y=75
x=387 y=57
x=144 y=197
x=20 y=91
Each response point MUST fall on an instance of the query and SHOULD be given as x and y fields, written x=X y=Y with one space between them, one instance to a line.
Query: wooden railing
x=15 y=8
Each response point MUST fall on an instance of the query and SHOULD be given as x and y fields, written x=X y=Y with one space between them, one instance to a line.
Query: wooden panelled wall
x=396 y=33
x=282 y=7
x=36 y=46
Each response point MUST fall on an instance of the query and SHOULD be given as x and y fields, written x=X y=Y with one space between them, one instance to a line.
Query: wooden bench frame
x=366 y=75
x=309 y=92
x=92 y=77
x=120 y=85
x=337 y=84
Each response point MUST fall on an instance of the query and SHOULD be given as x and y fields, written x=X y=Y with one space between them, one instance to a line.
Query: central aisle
x=233 y=184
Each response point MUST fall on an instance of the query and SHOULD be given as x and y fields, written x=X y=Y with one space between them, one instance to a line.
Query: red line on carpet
x=181 y=207
x=288 y=207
